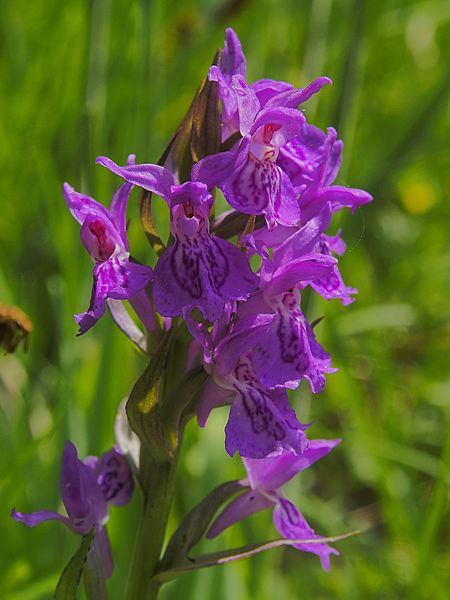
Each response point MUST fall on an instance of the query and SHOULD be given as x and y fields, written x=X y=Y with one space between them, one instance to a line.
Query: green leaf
x=205 y=132
x=226 y=556
x=180 y=404
x=143 y=406
x=70 y=577
x=196 y=522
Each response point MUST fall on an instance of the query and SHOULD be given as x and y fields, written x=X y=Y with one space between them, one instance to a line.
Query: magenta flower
x=290 y=242
x=265 y=478
x=261 y=421
x=86 y=490
x=312 y=160
x=103 y=233
x=249 y=175
x=198 y=269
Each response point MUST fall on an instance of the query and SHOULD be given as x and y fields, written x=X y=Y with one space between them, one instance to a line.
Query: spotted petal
x=260 y=425
x=203 y=272
x=289 y=353
x=292 y=525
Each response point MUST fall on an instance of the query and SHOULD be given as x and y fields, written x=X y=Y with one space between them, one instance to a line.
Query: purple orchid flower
x=312 y=160
x=232 y=62
x=248 y=175
x=116 y=276
x=261 y=422
x=198 y=269
x=87 y=488
x=265 y=478
x=290 y=242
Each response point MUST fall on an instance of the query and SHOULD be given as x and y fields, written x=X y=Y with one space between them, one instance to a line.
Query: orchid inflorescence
x=220 y=314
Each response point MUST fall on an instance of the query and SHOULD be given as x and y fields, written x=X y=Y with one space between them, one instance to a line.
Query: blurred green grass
x=113 y=77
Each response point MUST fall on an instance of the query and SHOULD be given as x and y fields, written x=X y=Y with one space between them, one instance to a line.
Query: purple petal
x=245 y=505
x=117 y=278
x=294 y=243
x=267 y=88
x=232 y=59
x=292 y=525
x=335 y=243
x=287 y=209
x=289 y=353
x=259 y=425
x=80 y=492
x=143 y=308
x=232 y=62
x=289 y=121
x=211 y=397
x=271 y=473
x=233 y=346
x=333 y=286
x=34 y=518
x=292 y=98
x=309 y=267
x=247 y=103
x=215 y=169
x=115 y=478
x=118 y=210
x=73 y=473
x=203 y=272
x=196 y=194
x=261 y=187
x=153 y=178
x=100 y=237
x=343 y=197
x=81 y=206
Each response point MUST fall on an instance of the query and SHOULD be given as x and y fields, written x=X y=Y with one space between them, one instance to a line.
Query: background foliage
x=79 y=79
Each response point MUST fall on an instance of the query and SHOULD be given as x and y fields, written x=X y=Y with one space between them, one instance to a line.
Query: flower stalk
x=158 y=483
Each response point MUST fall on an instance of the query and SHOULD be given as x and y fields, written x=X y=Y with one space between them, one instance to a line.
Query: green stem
x=93 y=577
x=158 y=478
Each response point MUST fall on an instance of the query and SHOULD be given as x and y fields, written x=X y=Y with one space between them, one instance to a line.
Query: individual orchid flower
x=261 y=422
x=290 y=242
x=87 y=488
x=312 y=160
x=265 y=479
x=232 y=62
x=249 y=175
x=116 y=276
x=198 y=269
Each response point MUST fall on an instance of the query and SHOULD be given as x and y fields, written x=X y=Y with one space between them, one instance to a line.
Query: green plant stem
x=158 y=478
x=93 y=577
